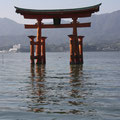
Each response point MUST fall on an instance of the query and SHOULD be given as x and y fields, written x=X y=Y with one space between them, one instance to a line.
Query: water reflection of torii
x=76 y=73
x=79 y=91
x=38 y=76
x=40 y=94
x=38 y=87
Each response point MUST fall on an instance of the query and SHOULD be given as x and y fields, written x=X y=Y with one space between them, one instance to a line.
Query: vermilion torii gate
x=76 y=51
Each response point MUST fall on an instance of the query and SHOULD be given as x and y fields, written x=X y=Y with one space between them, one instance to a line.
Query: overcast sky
x=7 y=6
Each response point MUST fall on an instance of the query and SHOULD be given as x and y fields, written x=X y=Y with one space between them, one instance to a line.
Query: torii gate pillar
x=38 y=46
x=75 y=42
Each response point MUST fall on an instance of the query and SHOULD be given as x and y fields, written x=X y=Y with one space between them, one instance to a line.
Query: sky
x=7 y=9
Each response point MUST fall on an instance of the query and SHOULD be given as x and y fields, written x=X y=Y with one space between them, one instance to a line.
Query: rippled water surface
x=59 y=91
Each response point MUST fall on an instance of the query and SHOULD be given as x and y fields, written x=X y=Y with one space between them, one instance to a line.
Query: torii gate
x=76 y=51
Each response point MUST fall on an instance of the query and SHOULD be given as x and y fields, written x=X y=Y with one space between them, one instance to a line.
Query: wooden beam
x=31 y=26
x=50 y=16
x=58 y=26
x=66 y=25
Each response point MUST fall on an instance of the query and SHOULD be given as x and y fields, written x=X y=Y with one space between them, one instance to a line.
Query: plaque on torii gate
x=76 y=46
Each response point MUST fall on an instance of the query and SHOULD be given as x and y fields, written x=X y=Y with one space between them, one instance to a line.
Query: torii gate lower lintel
x=76 y=46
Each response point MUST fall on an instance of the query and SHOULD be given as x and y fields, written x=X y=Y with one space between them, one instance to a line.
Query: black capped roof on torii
x=50 y=13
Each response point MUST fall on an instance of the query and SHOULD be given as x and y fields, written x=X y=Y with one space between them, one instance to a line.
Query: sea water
x=58 y=90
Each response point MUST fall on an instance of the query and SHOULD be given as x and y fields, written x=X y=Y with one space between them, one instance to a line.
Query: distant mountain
x=12 y=33
x=10 y=27
x=105 y=28
x=104 y=31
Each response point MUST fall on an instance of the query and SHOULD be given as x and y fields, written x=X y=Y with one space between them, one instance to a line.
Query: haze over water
x=58 y=90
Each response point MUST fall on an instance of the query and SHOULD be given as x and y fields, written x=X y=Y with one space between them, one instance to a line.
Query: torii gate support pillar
x=43 y=52
x=76 y=57
x=72 y=61
x=80 y=40
x=32 y=48
x=41 y=46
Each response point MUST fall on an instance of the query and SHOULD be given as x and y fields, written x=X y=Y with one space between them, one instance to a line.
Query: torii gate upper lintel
x=76 y=51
